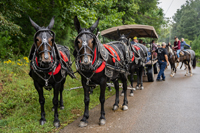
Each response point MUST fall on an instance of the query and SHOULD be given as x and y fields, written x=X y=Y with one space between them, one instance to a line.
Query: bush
x=5 y=41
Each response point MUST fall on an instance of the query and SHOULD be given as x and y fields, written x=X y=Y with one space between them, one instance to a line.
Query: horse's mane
x=170 y=50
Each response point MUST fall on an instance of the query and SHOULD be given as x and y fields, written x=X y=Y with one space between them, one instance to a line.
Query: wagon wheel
x=156 y=68
x=150 y=73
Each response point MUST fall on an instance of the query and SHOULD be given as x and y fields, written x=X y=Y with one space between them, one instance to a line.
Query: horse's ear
x=50 y=26
x=77 y=24
x=97 y=31
x=37 y=27
x=118 y=32
x=92 y=28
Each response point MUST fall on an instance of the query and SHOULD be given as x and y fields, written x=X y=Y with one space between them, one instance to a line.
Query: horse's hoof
x=62 y=107
x=142 y=88
x=110 y=90
x=122 y=94
x=42 y=122
x=131 y=94
x=115 y=107
x=191 y=75
x=171 y=75
x=137 y=87
x=102 y=122
x=56 y=124
x=125 y=107
x=53 y=109
x=83 y=124
x=185 y=74
x=134 y=89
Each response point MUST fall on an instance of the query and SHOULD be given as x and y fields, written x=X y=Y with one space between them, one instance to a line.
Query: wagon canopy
x=130 y=31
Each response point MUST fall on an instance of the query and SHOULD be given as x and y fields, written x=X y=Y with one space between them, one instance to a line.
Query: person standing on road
x=162 y=61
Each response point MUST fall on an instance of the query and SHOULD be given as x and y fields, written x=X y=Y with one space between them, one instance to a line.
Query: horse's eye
x=78 y=42
x=52 y=40
x=36 y=40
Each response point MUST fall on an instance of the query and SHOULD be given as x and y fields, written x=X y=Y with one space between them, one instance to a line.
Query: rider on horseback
x=177 y=47
x=183 y=43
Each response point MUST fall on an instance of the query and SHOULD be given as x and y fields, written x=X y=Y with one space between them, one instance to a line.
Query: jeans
x=162 y=66
x=178 y=51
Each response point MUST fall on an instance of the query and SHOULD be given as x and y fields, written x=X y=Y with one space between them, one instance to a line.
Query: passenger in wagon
x=134 y=40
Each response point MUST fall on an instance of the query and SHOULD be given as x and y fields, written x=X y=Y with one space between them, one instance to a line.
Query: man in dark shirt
x=162 y=61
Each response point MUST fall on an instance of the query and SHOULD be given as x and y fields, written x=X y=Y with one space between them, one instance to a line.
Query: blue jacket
x=184 y=44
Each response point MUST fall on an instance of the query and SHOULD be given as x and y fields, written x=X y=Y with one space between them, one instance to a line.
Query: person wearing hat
x=134 y=40
x=177 y=47
x=162 y=61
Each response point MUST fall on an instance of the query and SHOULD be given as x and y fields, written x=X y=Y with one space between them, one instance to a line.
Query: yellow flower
x=18 y=59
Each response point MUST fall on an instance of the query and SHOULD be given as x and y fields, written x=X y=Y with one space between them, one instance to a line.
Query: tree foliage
x=14 y=18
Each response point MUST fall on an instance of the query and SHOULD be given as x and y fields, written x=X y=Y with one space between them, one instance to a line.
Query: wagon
x=151 y=67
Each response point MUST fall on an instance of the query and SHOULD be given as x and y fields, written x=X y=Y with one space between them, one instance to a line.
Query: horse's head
x=123 y=38
x=44 y=40
x=85 y=43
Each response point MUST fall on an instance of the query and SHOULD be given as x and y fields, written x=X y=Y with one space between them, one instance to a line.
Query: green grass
x=19 y=101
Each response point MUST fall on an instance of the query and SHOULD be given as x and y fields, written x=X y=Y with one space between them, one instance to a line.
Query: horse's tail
x=194 y=62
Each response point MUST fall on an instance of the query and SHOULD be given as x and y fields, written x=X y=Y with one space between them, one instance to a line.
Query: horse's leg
x=61 y=96
x=116 y=106
x=102 y=119
x=190 y=69
x=177 y=65
x=84 y=121
x=56 y=91
x=41 y=101
x=172 y=69
x=141 y=77
x=138 y=79
x=131 y=80
x=125 y=104
x=181 y=65
x=187 y=68
x=91 y=90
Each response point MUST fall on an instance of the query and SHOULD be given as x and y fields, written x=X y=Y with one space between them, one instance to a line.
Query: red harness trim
x=133 y=57
x=57 y=70
x=101 y=68
x=64 y=56
x=136 y=47
x=110 y=49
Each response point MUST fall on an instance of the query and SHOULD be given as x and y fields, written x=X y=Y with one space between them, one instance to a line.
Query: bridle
x=45 y=51
x=84 y=47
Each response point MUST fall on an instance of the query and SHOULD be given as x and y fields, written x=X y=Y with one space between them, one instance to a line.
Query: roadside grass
x=19 y=100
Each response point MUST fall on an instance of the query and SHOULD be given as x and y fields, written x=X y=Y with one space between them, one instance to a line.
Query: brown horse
x=172 y=60
x=99 y=64
x=49 y=66
x=188 y=58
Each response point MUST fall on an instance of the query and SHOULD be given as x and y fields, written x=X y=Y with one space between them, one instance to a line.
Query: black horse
x=49 y=66
x=97 y=66
x=138 y=60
